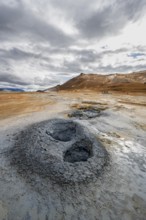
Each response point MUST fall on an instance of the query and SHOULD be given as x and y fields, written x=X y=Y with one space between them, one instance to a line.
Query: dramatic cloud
x=43 y=43
x=8 y=78
x=111 y=19
x=21 y=22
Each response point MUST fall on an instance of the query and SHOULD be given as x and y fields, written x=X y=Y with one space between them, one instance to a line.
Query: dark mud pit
x=80 y=151
x=86 y=113
x=59 y=150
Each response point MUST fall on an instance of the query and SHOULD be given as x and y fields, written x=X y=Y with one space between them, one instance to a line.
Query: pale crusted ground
x=120 y=193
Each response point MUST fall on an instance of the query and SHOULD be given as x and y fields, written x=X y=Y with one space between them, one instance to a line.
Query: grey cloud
x=85 y=55
x=133 y=9
x=18 y=54
x=75 y=9
x=82 y=55
x=15 y=53
x=46 y=81
x=10 y=78
x=52 y=80
x=29 y=39
x=72 y=66
x=21 y=23
x=121 y=68
x=111 y=19
x=85 y=59
x=11 y=85
x=92 y=56
x=133 y=49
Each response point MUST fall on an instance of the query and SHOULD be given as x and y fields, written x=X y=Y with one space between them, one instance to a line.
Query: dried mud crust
x=60 y=150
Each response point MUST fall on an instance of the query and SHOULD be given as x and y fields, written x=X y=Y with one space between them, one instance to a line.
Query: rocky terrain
x=73 y=154
x=134 y=82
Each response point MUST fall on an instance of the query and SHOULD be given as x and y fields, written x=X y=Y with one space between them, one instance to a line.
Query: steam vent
x=60 y=150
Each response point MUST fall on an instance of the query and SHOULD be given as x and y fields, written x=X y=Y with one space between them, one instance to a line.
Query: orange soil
x=12 y=104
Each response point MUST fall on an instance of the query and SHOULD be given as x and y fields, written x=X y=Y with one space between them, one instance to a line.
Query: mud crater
x=58 y=150
x=80 y=151
x=63 y=131
x=87 y=112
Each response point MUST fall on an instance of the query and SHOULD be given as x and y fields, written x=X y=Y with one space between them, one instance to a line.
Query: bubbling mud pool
x=61 y=150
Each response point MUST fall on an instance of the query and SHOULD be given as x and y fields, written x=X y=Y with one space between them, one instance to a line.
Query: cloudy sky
x=46 y=42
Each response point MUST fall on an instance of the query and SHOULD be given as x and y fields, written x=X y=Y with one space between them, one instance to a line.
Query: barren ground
x=119 y=193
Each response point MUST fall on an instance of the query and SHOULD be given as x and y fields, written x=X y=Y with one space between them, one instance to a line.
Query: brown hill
x=132 y=82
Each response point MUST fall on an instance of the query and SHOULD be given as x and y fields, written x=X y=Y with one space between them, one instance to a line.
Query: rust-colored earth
x=13 y=104
x=125 y=83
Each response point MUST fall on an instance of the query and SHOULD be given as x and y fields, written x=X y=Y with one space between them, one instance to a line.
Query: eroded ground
x=118 y=121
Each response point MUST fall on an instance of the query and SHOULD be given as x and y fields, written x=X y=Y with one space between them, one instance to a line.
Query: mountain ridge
x=131 y=82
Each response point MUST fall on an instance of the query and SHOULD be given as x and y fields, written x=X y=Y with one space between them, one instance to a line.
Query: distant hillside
x=133 y=82
x=11 y=90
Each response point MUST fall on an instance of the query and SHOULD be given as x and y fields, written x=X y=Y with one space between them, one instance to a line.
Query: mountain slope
x=133 y=82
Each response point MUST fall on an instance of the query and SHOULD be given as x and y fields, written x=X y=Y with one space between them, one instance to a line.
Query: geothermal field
x=74 y=153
